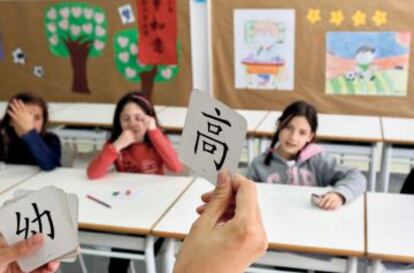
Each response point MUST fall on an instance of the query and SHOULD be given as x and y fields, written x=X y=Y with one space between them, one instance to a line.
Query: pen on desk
x=98 y=201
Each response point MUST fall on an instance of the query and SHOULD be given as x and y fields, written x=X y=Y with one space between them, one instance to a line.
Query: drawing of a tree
x=78 y=31
x=126 y=61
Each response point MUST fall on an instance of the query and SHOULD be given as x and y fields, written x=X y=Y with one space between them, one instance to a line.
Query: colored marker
x=98 y=201
x=115 y=193
x=128 y=192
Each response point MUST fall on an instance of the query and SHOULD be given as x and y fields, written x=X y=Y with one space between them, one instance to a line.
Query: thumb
x=220 y=200
x=23 y=248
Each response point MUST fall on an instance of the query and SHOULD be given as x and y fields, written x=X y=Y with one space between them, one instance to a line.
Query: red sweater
x=138 y=157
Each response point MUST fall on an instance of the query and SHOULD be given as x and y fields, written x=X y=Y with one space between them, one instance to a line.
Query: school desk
x=292 y=223
x=88 y=114
x=12 y=175
x=3 y=105
x=343 y=134
x=54 y=107
x=129 y=222
x=398 y=137
x=390 y=228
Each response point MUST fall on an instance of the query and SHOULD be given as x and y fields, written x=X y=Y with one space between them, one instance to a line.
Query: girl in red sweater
x=136 y=144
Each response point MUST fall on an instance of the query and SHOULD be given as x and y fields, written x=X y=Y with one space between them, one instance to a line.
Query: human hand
x=229 y=235
x=126 y=138
x=9 y=255
x=150 y=123
x=331 y=201
x=22 y=120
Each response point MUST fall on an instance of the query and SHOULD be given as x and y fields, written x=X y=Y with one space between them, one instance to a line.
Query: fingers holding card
x=213 y=136
x=49 y=211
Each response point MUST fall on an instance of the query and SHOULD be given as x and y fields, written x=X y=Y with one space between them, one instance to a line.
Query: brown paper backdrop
x=21 y=25
x=310 y=60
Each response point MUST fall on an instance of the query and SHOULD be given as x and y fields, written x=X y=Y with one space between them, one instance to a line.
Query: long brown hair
x=139 y=100
x=297 y=108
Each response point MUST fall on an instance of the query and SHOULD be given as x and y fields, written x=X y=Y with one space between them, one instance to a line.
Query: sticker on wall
x=127 y=64
x=359 y=18
x=127 y=16
x=367 y=63
x=379 y=18
x=76 y=31
x=337 y=17
x=264 y=49
x=19 y=57
x=38 y=71
x=314 y=16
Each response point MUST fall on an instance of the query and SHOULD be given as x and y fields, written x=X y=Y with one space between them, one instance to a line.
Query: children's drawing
x=264 y=49
x=367 y=63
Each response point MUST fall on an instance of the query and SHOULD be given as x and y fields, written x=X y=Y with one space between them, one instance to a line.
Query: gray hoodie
x=312 y=168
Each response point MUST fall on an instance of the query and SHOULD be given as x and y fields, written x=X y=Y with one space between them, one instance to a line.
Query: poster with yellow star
x=367 y=63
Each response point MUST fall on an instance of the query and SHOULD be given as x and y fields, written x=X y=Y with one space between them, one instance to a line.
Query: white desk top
x=268 y=126
x=291 y=222
x=57 y=106
x=173 y=118
x=12 y=175
x=390 y=221
x=177 y=222
x=3 y=105
x=87 y=114
x=334 y=127
x=398 y=130
x=253 y=117
x=151 y=196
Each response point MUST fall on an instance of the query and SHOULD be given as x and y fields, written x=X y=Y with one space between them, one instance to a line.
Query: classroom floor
x=100 y=264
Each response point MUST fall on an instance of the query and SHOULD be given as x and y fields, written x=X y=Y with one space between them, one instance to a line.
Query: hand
x=331 y=201
x=9 y=255
x=126 y=138
x=149 y=123
x=226 y=238
x=22 y=120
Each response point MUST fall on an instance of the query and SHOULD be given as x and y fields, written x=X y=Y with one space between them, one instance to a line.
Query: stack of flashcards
x=49 y=211
x=213 y=136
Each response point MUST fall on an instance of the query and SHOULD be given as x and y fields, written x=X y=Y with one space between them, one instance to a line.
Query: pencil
x=98 y=201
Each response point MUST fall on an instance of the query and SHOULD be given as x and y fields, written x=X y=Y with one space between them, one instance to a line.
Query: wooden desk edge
x=114 y=229
x=390 y=258
x=80 y=124
x=398 y=142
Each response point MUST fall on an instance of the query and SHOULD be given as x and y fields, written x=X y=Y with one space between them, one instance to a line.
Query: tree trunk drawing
x=147 y=82
x=79 y=56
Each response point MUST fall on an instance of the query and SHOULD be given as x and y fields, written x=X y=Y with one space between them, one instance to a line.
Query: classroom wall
x=22 y=26
x=310 y=55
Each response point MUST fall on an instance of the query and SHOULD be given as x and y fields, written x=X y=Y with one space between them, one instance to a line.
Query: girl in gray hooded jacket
x=293 y=159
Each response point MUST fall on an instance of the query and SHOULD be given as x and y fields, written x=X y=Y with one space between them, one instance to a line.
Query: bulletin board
x=352 y=57
x=32 y=59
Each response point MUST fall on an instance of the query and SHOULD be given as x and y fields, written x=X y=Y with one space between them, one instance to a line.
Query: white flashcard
x=213 y=136
x=44 y=211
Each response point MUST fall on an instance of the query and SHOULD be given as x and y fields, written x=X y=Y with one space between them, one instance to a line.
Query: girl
x=23 y=136
x=293 y=159
x=136 y=144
